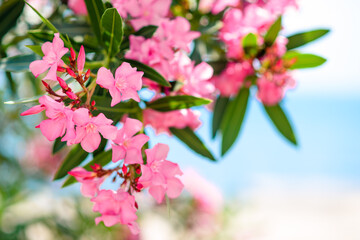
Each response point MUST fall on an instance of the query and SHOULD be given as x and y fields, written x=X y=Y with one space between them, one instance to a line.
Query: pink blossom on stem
x=116 y=207
x=53 y=53
x=59 y=122
x=90 y=183
x=124 y=86
x=159 y=174
x=78 y=7
x=220 y=5
x=148 y=12
x=177 y=33
x=88 y=129
x=127 y=146
x=232 y=78
x=162 y=121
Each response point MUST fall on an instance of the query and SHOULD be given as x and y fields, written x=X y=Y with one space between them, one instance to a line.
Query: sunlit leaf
x=187 y=136
x=170 y=103
x=19 y=63
x=301 y=39
x=304 y=60
x=272 y=33
x=95 y=9
x=233 y=119
x=281 y=122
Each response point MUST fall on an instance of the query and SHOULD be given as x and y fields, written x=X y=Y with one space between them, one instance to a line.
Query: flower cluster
x=73 y=116
x=267 y=66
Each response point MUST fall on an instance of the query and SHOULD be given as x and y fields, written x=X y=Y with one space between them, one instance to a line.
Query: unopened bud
x=45 y=84
x=95 y=167
x=60 y=69
x=93 y=103
x=87 y=74
x=124 y=169
x=73 y=54
x=62 y=84
x=138 y=171
x=136 y=205
x=71 y=73
x=71 y=95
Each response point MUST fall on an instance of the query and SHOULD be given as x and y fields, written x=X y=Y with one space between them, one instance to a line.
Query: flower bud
x=124 y=169
x=62 y=84
x=73 y=54
x=93 y=103
x=61 y=69
x=71 y=95
x=71 y=73
x=45 y=84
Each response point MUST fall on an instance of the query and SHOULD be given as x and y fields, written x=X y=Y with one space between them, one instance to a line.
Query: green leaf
x=187 y=136
x=45 y=35
x=36 y=49
x=281 y=122
x=103 y=105
x=233 y=119
x=146 y=32
x=304 y=60
x=58 y=145
x=171 y=103
x=219 y=110
x=17 y=63
x=23 y=100
x=102 y=159
x=149 y=72
x=300 y=39
x=112 y=31
x=75 y=157
x=9 y=13
x=249 y=44
x=95 y=9
x=272 y=33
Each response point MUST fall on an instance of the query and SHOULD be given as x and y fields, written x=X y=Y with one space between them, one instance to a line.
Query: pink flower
x=176 y=33
x=127 y=145
x=162 y=121
x=88 y=128
x=122 y=6
x=148 y=12
x=78 y=7
x=90 y=183
x=60 y=119
x=116 y=207
x=195 y=79
x=207 y=196
x=159 y=174
x=53 y=53
x=124 y=86
x=272 y=87
x=232 y=78
x=220 y=5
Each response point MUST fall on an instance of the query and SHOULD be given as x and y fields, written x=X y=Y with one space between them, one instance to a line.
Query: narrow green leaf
x=250 y=45
x=17 y=63
x=281 y=122
x=58 y=145
x=23 y=100
x=272 y=33
x=112 y=31
x=187 y=136
x=171 y=103
x=149 y=72
x=50 y=26
x=9 y=13
x=233 y=119
x=75 y=157
x=36 y=49
x=218 y=115
x=95 y=10
x=102 y=159
x=300 y=39
x=102 y=104
x=304 y=60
